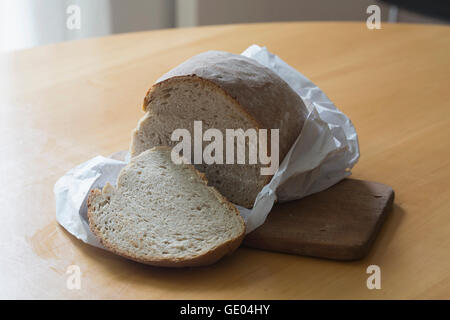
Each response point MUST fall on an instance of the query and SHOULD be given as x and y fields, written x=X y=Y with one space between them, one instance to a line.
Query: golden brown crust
x=208 y=258
x=259 y=91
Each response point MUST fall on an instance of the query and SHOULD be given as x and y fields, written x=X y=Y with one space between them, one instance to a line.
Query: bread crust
x=207 y=258
x=259 y=92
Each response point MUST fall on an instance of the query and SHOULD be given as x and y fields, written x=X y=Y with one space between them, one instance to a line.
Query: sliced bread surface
x=164 y=214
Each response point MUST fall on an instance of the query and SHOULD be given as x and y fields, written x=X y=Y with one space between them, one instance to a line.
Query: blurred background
x=29 y=23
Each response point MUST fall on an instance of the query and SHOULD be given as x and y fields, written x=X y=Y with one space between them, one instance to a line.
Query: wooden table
x=63 y=104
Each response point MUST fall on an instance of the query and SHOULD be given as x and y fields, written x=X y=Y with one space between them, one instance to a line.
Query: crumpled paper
x=323 y=154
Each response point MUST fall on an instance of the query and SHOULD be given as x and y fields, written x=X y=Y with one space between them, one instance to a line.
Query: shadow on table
x=240 y=269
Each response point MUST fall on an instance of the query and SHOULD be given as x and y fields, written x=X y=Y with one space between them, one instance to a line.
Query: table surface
x=63 y=104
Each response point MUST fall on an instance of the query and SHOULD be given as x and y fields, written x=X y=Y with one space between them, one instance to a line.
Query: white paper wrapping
x=323 y=154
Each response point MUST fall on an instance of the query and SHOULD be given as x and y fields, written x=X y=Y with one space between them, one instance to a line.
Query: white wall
x=206 y=12
x=137 y=15
x=27 y=23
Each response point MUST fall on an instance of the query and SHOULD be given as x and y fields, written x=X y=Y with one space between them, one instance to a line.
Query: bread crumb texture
x=164 y=214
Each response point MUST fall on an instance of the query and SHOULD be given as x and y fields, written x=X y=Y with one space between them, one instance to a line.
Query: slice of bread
x=164 y=214
x=224 y=91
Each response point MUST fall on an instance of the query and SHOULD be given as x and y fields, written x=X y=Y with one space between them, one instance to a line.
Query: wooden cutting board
x=339 y=223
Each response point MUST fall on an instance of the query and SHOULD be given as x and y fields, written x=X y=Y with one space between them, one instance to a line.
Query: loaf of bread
x=164 y=214
x=224 y=91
